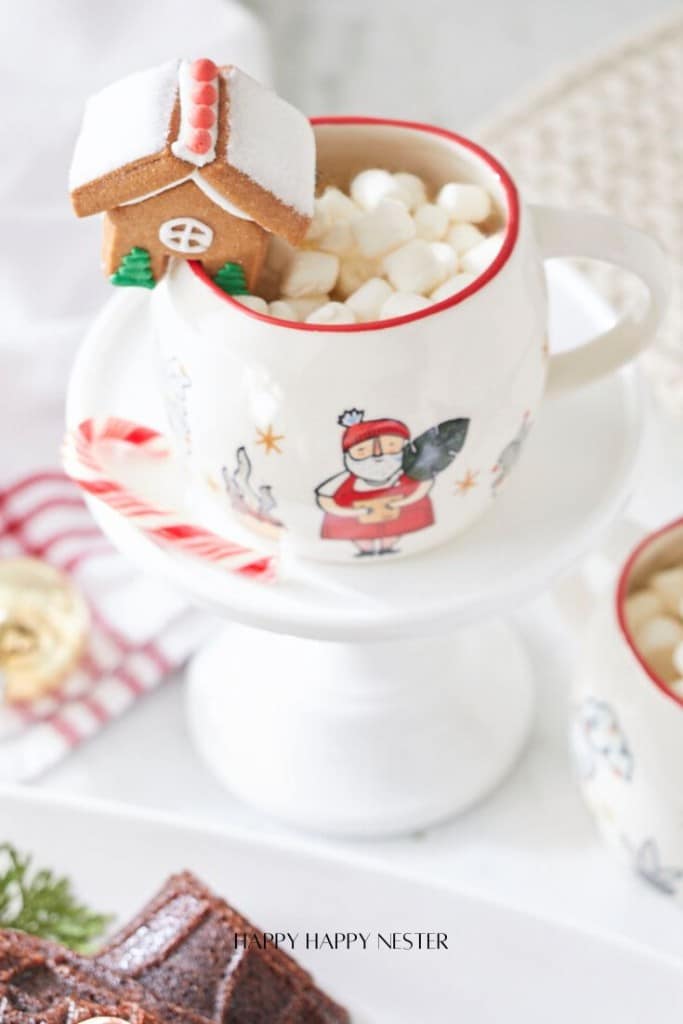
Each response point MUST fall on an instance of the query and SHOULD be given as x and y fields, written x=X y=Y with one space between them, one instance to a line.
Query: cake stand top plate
x=572 y=481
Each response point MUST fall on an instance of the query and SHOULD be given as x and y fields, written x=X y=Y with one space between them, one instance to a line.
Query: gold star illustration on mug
x=269 y=439
x=467 y=483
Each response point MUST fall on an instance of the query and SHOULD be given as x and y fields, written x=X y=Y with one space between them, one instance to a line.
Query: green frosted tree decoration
x=230 y=279
x=134 y=270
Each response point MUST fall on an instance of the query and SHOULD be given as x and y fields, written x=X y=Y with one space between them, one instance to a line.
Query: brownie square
x=182 y=946
x=37 y=977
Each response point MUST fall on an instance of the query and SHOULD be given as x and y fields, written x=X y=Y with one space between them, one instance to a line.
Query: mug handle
x=598 y=236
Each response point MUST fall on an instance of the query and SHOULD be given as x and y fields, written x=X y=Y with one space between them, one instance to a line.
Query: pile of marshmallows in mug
x=654 y=616
x=384 y=251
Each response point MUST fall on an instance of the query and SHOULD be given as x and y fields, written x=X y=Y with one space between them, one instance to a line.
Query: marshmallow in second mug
x=388 y=437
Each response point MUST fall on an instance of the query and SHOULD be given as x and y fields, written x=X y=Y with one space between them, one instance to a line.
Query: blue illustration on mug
x=176 y=396
x=597 y=737
x=383 y=491
x=647 y=861
x=253 y=502
x=509 y=457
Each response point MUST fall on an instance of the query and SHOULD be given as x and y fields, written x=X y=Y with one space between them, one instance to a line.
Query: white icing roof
x=270 y=141
x=125 y=122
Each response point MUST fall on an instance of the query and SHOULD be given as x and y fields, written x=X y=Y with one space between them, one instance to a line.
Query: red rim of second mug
x=511 y=233
x=620 y=598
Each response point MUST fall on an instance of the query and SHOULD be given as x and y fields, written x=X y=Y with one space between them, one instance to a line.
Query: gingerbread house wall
x=138 y=224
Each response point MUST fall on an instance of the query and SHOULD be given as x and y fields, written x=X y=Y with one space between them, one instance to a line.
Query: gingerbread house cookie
x=195 y=161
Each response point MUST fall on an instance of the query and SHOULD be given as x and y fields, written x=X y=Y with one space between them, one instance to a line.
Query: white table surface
x=532 y=844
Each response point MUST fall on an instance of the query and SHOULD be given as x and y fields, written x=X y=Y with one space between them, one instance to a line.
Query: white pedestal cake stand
x=356 y=700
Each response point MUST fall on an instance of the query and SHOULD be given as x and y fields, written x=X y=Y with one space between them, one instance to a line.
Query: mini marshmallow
x=477 y=259
x=412 y=189
x=382 y=229
x=304 y=307
x=641 y=606
x=319 y=224
x=414 y=267
x=431 y=222
x=254 y=302
x=310 y=273
x=367 y=301
x=335 y=207
x=677 y=659
x=337 y=239
x=355 y=270
x=657 y=633
x=370 y=187
x=332 y=313
x=656 y=640
x=464 y=236
x=403 y=303
x=668 y=584
x=452 y=286
x=465 y=202
x=282 y=310
x=446 y=258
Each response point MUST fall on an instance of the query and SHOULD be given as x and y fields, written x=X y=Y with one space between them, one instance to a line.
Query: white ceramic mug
x=307 y=433
x=626 y=724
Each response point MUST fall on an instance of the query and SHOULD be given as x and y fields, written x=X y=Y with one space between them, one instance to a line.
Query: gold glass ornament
x=44 y=625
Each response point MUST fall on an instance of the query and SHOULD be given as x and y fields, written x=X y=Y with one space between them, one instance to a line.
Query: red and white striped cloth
x=140 y=633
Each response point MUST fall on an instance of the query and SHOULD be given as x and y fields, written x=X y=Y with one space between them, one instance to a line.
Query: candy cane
x=82 y=462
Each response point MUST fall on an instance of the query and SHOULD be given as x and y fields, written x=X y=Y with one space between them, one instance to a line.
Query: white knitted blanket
x=608 y=134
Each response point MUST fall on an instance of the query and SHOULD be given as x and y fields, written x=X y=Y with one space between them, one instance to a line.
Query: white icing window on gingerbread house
x=186 y=235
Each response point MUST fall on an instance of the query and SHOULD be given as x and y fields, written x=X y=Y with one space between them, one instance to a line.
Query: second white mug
x=626 y=722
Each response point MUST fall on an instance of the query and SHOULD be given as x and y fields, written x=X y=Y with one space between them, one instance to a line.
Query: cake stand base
x=364 y=739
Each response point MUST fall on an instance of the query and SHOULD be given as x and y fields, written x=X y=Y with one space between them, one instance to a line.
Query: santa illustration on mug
x=383 y=491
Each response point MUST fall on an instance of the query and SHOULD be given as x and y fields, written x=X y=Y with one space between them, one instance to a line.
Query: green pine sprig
x=43 y=904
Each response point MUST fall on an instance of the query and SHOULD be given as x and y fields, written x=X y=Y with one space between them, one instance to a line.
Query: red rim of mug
x=620 y=598
x=511 y=233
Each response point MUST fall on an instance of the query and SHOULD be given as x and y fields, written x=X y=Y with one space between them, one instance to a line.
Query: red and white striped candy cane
x=82 y=462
